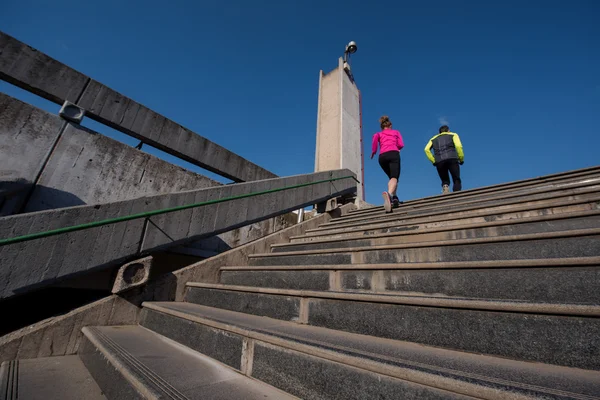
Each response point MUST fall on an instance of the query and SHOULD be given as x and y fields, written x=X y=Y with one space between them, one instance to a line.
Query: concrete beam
x=23 y=267
x=38 y=73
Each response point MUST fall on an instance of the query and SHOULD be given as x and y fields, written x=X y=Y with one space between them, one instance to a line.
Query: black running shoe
x=396 y=202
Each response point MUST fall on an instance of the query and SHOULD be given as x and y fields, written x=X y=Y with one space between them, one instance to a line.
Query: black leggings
x=443 y=167
x=390 y=163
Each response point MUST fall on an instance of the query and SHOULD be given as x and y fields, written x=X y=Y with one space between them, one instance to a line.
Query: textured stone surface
x=32 y=70
x=113 y=384
x=568 y=341
x=280 y=307
x=551 y=285
x=27 y=135
x=308 y=259
x=313 y=378
x=442 y=213
x=164 y=369
x=412 y=226
x=97 y=169
x=315 y=280
x=556 y=247
x=301 y=350
x=521 y=228
x=222 y=346
x=64 y=378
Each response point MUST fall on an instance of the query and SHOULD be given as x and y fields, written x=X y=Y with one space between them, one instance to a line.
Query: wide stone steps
x=318 y=363
x=551 y=223
x=547 y=182
x=563 y=244
x=448 y=221
x=131 y=362
x=567 y=335
x=562 y=281
x=456 y=208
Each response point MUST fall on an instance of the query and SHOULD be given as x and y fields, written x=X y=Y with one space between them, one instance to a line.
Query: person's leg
x=384 y=162
x=394 y=166
x=442 y=169
x=455 y=172
x=392 y=186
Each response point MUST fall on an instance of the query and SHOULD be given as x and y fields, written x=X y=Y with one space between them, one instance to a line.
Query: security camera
x=351 y=47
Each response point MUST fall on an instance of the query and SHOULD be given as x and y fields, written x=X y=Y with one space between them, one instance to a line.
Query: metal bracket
x=72 y=112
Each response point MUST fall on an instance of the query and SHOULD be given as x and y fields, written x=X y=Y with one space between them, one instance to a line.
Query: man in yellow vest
x=447 y=158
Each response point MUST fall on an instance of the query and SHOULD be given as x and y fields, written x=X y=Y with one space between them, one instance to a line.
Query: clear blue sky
x=518 y=80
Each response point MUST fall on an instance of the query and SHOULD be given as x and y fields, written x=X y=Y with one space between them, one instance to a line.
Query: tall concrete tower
x=339 y=123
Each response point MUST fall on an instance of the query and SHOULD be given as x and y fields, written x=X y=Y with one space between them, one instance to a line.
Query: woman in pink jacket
x=390 y=143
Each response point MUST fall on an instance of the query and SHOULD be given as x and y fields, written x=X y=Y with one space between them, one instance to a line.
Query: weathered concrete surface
x=23 y=267
x=32 y=70
x=98 y=169
x=62 y=335
x=134 y=363
x=27 y=135
x=133 y=274
x=49 y=378
x=339 y=143
x=545 y=334
x=341 y=357
x=305 y=376
x=71 y=165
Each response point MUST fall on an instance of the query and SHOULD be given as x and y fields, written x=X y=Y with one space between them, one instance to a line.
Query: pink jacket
x=389 y=140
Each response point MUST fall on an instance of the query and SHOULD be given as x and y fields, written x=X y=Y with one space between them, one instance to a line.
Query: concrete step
x=530 y=199
x=550 y=223
x=573 y=176
x=441 y=214
x=319 y=363
x=445 y=200
x=567 y=335
x=561 y=281
x=51 y=378
x=131 y=362
x=441 y=221
x=564 y=244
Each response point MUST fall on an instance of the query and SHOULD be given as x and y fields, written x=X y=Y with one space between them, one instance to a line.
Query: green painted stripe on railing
x=88 y=225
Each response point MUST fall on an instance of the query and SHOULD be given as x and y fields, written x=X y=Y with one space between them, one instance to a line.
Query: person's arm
x=400 y=143
x=374 y=144
x=428 y=152
x=459 y=148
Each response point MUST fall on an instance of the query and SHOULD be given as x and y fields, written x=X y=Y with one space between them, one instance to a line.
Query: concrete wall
x=338 y=124
x=27 y=136
x=24 y=268
x=38 y=73
x=69 y=165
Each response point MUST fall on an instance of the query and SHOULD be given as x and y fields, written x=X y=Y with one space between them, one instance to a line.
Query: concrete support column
x=339 y=130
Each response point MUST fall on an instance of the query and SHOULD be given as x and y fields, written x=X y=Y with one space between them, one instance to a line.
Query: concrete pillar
x=339 y=125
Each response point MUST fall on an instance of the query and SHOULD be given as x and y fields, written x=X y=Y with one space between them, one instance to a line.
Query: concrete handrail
x=83 y=238
x=74 y=228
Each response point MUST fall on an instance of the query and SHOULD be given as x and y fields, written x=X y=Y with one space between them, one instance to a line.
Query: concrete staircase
x=491 y=293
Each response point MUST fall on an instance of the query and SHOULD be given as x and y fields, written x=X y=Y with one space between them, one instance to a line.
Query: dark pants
x=390 y=163
x=452 y=167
